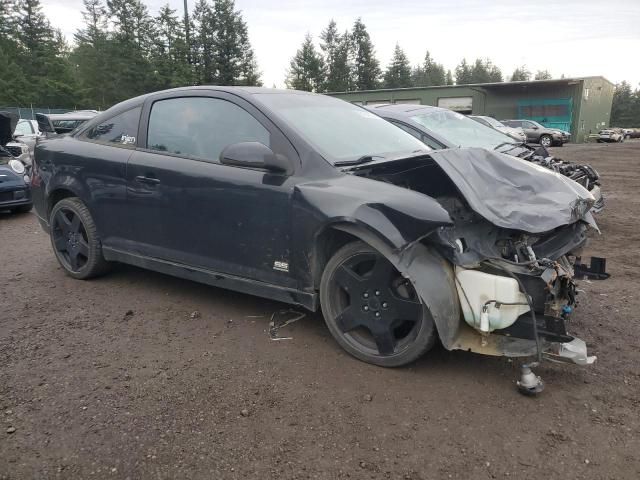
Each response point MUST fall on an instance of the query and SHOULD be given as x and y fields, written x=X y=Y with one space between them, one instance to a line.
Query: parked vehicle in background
x=515 y=133
x=311 y=200
x=63 y=122
x=628 y=133
x=15 y=182
x=27 y=132
x=611 y=135
x=536 y=133
x=442 y=128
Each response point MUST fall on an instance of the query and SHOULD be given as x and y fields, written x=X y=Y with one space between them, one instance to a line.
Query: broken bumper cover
x=574 y=351
x=551 y=292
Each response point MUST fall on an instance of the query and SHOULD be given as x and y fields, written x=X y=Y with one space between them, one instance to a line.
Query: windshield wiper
x=357 y=161
x=513 y=145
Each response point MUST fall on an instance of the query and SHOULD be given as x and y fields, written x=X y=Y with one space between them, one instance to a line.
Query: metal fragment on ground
x=277 y=323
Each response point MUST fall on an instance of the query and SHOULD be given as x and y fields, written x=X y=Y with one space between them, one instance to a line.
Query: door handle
x=147 y=180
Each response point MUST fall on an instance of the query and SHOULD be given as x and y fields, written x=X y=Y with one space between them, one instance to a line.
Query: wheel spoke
x=73 y=259
x=75 y=223
x=63 y=222
x=347 y=278
x=385 y=341
x=61 y=243
x=349 y=319
x=382 y=271
x=405 y=309
x=83 y=248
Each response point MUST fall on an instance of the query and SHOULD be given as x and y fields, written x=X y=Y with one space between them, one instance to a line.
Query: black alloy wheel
x=75 y=240
x=372 y=311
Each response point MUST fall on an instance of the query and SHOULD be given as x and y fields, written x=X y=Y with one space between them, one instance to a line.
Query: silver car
x=515 y=133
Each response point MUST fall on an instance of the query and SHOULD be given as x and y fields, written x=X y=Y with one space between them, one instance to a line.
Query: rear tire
x=371 y=310
x=75 y=240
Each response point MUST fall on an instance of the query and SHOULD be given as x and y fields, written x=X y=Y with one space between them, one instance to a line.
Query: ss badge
x=281 y=266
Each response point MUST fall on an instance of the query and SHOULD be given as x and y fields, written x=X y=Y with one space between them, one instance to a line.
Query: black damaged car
x=15 y=182
x=313 y=201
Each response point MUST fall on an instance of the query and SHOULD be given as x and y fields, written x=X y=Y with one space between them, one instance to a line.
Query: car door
x=531 y=132
x=188 y=208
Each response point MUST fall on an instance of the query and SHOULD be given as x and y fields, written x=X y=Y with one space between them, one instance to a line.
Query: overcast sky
x=571 y=37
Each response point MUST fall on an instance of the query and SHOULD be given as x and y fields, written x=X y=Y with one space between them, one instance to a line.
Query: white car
x=610 y=135
x=515 y=133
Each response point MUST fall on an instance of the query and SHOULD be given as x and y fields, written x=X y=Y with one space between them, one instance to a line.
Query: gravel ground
x=141 y=375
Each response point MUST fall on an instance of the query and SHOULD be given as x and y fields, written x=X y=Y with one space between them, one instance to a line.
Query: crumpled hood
x=513 y=193
x=8 y=122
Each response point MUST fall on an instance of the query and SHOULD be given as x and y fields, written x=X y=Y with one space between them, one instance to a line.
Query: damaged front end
x=584 y=174
x=507 y=259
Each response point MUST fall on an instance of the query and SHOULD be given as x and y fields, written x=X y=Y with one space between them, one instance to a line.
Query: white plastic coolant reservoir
x=475 y=288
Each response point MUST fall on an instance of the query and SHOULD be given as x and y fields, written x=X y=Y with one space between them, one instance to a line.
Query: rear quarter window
x=120 y=130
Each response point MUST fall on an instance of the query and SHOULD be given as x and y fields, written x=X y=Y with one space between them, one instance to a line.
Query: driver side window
x=201 y=127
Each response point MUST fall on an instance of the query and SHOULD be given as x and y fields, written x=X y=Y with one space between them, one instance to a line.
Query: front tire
x=546 y=141
x=75 y=240
x=371 y=310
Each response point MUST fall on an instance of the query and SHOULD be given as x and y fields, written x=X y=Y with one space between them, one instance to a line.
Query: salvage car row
x=18 y=138
x=313 y=201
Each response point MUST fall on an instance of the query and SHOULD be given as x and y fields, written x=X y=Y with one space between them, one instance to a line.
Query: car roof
x=72 y=116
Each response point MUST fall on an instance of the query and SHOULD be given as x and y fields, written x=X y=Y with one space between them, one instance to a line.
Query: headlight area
x=516 y=291
x=17 y=166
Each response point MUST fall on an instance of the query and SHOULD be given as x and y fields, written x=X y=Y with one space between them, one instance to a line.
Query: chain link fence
x=29 y=112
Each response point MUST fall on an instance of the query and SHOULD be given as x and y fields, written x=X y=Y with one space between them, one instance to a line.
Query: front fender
x=392 y=220
x=397 y=215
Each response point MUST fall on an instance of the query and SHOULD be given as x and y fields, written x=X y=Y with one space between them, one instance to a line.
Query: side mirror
x=535 y=127
x=254 y=155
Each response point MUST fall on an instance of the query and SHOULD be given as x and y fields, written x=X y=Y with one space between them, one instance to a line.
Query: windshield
x=339 y=130
x=460 y=130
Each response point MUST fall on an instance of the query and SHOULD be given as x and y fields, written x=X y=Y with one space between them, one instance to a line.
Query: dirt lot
x=118 y=378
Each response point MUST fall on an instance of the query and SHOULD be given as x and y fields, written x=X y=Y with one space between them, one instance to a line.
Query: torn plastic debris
x=276 y=324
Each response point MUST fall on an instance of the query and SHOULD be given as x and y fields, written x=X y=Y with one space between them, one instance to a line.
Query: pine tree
x=43 y=57
x=366 y=70
x=203 y=32
x=520 y=74
x=169 y=51
x=233 y=60
x=128 y=51
x=484 y=71
x=624 y=109
x=13 y=87
x=398 y=73
x=226 y=46
x=90 y=55
x=306 y=69
x=543 y=75
x=336 y=49
x=249 y=73
x=429 y=73
x=464 y=73
x=449 y=79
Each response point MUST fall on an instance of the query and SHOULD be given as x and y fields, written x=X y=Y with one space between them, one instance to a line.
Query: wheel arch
x=57 y=195
x=64 y=186
x=417 y=262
